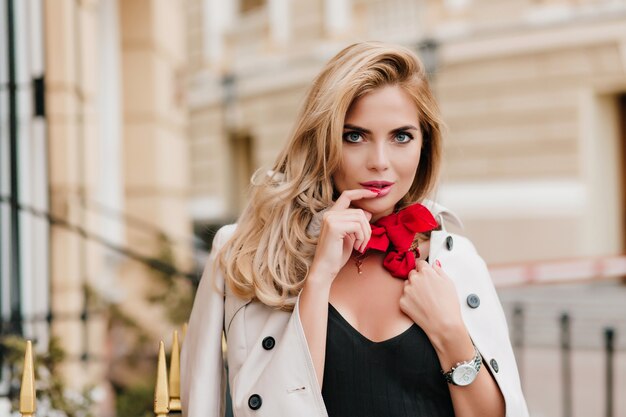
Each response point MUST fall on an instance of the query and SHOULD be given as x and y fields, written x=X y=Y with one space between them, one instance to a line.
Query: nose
x=378 y=158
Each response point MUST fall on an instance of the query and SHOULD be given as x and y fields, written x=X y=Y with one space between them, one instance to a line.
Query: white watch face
x=464 y=375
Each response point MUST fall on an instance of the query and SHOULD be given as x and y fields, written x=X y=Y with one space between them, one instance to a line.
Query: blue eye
x=404 y=137
x=352 y=137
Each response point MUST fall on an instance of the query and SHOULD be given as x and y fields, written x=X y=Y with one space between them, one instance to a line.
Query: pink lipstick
x=381 y=187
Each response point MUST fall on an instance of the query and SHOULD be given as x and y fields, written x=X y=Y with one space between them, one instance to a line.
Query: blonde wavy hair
x=269 y=255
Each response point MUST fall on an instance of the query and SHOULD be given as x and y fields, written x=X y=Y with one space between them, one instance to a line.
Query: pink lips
x=381 y=187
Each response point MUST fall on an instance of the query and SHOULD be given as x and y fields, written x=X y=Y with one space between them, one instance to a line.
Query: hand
x=430 y=300
x=343 y=229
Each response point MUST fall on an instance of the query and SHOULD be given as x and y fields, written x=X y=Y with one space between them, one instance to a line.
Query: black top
x=397 y=377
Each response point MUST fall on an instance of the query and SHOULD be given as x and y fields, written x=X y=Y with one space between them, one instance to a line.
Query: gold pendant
x=358 y=263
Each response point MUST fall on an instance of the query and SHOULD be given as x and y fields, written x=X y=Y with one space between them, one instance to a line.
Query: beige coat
x=281 y=375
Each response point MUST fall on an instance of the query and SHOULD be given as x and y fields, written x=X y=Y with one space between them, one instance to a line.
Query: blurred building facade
x=94 y=173
x=532 y=93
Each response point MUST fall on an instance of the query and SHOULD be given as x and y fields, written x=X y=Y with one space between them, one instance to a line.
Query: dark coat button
x=494 y=365
x=473 y=300
x=268 y=343
x=449 y=243
x=255 y=401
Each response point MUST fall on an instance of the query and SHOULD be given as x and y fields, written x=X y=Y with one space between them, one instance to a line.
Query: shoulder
x=460 y=259
x=222 y=235
x=443 y=240
x=443 y=214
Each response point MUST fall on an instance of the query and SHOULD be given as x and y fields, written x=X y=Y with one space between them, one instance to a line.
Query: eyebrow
x=366 y=131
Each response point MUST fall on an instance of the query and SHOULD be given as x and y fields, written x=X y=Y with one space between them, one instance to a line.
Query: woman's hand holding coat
x=430 y=300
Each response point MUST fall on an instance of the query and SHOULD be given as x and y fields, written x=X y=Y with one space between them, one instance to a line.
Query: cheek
x=339 y=182
x=408 y=163
x=342 y=178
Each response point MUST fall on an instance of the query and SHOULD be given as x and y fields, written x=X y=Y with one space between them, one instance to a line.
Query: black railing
x=609 y=347
x=566 y=361
x=14 y=256
x=606 y=335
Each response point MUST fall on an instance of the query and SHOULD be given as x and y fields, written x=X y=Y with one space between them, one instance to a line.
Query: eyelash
x=346 y=134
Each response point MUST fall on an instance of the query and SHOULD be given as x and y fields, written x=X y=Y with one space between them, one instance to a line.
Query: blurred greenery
x=134 y=384
x=173 y=292
x=131 y=375
x=135 y=400
x=53 y=396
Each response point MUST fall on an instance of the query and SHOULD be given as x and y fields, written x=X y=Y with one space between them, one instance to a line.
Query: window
x=250 y=5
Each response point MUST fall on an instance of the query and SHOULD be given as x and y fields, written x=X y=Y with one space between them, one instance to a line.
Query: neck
x=378 y=216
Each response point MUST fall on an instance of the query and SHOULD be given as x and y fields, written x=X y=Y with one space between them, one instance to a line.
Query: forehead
x=390 y=104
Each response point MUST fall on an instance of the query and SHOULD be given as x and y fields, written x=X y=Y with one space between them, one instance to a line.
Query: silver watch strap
x=475 y=362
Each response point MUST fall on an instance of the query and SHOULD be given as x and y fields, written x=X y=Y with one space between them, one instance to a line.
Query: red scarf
x=395 y=233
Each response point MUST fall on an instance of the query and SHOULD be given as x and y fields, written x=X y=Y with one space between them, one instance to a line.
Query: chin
x=377 y=206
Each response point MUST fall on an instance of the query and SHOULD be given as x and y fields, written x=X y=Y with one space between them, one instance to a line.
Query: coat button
x=449 y=243
x=473 y=300
x=268 y=343
x=494 y=365
x=255 y=401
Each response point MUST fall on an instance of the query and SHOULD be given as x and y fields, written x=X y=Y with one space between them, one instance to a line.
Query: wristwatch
x=464 y=373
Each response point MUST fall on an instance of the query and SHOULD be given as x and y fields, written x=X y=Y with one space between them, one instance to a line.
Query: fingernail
x=438 y=263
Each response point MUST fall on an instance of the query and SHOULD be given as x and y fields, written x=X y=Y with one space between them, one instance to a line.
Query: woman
x=339 y=290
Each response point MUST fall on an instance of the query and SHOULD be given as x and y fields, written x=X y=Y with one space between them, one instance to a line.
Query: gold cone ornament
x=161 y=394
x=28 y=400
x=175 y=375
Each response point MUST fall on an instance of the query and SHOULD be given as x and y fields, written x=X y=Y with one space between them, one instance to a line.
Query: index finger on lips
x=347 y=197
